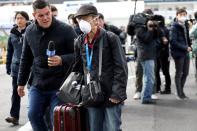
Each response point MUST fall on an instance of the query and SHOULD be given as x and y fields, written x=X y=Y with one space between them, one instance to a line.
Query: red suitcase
x=68 y=118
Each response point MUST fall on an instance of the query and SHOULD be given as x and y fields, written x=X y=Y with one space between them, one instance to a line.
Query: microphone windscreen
x=51 y=46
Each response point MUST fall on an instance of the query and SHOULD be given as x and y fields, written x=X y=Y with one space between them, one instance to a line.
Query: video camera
x=192 y=21
x=136 y=21
x=140 y=20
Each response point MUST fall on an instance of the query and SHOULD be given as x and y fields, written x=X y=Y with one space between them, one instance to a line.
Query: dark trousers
x=164 y=64
x=15 y=100
x=182 y=69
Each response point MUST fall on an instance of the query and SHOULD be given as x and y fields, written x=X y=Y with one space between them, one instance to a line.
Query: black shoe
x=149 y=102
x=165 y=92
x=185 y=97
x=12 y=120
x=180 y=97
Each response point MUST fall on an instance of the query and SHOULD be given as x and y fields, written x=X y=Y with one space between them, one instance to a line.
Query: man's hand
x=165 y=40
x=189 y=49
x=54 y=61
x=21 y=91
x=114 y=100
x=150 y=25
x=8 y=72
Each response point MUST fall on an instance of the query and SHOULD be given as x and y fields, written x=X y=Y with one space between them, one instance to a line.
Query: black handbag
x=70 y=91
x=92 y=94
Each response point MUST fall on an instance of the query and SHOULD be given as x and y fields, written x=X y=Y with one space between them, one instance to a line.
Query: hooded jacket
x=14 y=50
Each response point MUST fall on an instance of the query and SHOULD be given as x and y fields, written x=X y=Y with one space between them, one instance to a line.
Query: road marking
x=26 y=127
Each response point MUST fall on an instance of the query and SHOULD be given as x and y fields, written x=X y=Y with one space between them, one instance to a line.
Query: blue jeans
x=105 y=118
x=148 y=79
x=39 y=101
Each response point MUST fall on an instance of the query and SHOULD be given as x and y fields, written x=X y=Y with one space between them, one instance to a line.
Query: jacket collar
x=101 y=34
x=15 y=31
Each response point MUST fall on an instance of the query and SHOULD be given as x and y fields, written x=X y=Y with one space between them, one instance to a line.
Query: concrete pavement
x=168 y=114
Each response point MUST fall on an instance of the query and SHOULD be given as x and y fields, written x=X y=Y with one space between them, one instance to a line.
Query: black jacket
x=14 y=50
x=147 y=41
x=178 y=40
x=164 y=50
x=34 y=54
x=122 y=35
x=114 y=66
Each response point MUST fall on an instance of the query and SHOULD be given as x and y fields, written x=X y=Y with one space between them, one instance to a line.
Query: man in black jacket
x=14 y=50
x=48 y=71
x=113 y=81
x=148 y=38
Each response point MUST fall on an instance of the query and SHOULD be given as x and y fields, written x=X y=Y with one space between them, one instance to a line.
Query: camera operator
x=148 y=37
x=136 y=22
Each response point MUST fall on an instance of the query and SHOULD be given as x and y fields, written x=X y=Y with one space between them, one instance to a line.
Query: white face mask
x=182 y=19
x=85 y=26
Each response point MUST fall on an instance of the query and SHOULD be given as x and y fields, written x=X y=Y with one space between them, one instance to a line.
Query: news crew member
x=14 y=50
x=48 y=71
x=148 y=38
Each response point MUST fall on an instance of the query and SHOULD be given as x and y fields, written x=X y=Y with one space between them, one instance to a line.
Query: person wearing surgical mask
x=114 y=71
x=180 y=48
x=73 y=22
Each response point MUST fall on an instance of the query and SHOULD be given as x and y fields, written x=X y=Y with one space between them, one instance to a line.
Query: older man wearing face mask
x=180 y=48
x=113 y=81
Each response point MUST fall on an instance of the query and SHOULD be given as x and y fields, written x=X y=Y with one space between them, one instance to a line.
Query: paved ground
x=168 y=114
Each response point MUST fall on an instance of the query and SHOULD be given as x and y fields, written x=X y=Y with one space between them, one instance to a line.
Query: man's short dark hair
x=181 y=10
x=100 y=16
x=40 y=4
x=148 y=11
x=53 y=8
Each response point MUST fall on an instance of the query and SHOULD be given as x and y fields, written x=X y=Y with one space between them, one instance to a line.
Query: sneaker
x=12 y=120
x=137 y=96
x=165 y=92
x=154 y=97
x=185 y=98
x=179 y=97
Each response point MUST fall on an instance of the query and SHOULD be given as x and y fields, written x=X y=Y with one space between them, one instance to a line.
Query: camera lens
x=151 y=26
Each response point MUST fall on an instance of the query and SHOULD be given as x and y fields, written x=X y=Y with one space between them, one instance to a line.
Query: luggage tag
x=88 y=78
